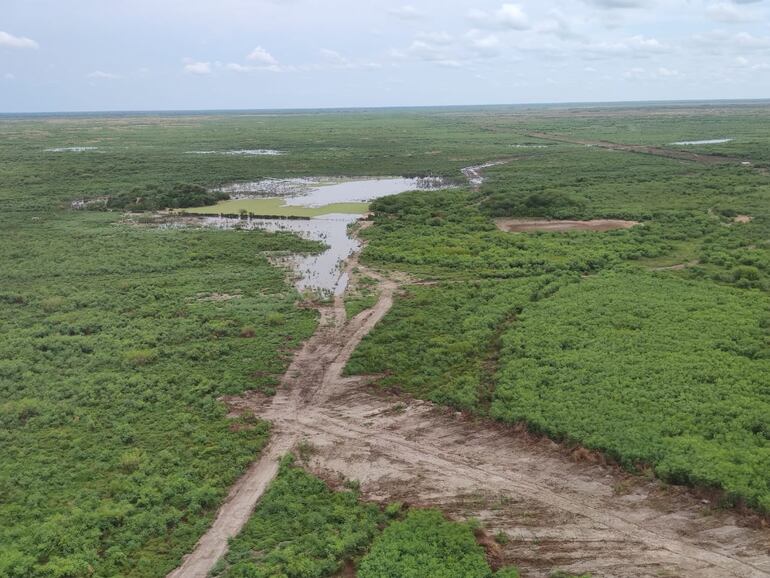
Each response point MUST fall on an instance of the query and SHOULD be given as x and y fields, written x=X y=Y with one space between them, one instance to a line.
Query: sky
x=91 y=55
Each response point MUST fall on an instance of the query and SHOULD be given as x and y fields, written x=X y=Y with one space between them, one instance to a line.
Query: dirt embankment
x=556 y=511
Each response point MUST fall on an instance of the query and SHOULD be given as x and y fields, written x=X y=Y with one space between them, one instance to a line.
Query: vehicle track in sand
x=556 y=512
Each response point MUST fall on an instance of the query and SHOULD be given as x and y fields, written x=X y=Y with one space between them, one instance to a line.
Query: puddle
x=321 y=273
x=71 y=149
x=243 y=152
x=702 y=142
x=320 y=191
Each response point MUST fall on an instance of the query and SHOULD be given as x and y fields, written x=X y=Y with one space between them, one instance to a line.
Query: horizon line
x=389 y=107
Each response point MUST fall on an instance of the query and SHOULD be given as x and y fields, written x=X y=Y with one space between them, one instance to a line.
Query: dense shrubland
x=572 y=333
x=114 y=349
x=115 y=341
x=301 y=528
x=156 y=197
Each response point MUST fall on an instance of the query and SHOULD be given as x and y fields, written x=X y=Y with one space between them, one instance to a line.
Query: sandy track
x=557 y=513
x=315 y=368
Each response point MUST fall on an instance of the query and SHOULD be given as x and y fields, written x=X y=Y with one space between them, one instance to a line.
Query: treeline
x=157 y=197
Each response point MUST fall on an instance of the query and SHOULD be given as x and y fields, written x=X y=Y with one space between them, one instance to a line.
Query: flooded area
x=475 y=175
x=71 y=149
x=242 y=152
x=321 y=273
x=320 y=191
x=701 y=142
x=316 y=197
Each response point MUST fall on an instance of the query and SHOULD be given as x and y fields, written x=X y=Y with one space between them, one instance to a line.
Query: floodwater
x=702 y=142
x=242 y=152
x=320 y=191
x=71 y=149
x=321 y=273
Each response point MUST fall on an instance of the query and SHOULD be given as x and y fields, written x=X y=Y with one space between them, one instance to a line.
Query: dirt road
x=644 y=149
x=555 y=511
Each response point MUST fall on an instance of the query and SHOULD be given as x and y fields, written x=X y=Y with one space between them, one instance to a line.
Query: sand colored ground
x=559 y=225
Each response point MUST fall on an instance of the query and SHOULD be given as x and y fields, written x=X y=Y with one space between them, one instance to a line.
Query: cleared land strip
x=643 y=149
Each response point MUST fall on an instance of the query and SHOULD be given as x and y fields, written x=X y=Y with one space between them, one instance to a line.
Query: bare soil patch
x=743 y=219
x=559 y=226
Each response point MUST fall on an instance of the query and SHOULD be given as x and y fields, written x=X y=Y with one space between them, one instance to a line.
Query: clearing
x=558 y=509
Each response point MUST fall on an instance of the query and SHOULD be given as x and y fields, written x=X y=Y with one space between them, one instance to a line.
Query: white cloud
x=617 y=4
x=12 y=41
x=235 y=67
x=634 y=47
x=9 y=76
x=98 y=74
x=407 y=12
x=262 y=56
x=508 y=16
x=484 y=44
x=198 y=67
x=730 y=13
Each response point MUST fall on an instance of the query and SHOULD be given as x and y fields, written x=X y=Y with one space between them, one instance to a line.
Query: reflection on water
x=320 y=273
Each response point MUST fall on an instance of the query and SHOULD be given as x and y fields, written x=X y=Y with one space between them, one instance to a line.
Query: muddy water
x=321 y=273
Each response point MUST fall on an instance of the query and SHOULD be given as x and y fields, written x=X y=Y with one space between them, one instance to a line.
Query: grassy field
x=117 y=340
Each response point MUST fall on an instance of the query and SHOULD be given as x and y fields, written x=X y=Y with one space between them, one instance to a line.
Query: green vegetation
x=570 y=332
x=301 y=529
x=426 y=545
x=276 y=208
x=360 y=297
x=154 y=198
x=116 y=342
x=677 y=370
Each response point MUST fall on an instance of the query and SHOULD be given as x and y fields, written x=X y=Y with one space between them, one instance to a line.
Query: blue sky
x=193 y=54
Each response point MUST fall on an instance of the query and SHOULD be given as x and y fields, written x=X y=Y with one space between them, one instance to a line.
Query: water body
x=321 y=273
x=702 y=142
x=243 y=152
x=71 y=149
x=320 y=191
